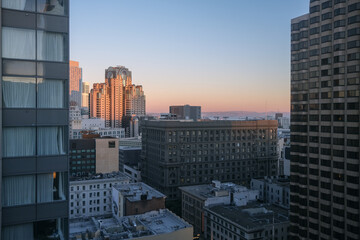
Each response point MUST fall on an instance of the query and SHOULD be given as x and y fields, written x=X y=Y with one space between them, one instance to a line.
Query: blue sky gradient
x=221 y=54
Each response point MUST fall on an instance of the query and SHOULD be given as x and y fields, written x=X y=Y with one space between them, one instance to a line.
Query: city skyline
x=186 y=58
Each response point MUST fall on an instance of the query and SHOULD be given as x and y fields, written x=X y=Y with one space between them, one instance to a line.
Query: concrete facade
x=92 y=196
x=184 y=153
x=325 y=152
x=274 y=190
x=92 y=123
x=107 y=155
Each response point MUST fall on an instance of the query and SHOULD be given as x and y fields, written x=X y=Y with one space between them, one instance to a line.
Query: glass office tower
x=34 y=133
x=325 y=73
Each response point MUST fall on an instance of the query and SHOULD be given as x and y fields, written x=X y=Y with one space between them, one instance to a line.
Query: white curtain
x=61 y=186
x=50 y=93
x=18 y=43
x=19 y=141
x=23 y=231
x=19 y=92
x=14 y=4
x=50 y=46
x=18 y=190
x=50 y=140
x=45 y=187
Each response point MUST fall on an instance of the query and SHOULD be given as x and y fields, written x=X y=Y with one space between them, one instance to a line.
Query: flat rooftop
x=211 y=123
x=128 y=227
x=97 y=177
x=208 y=190
x=253 y=215
x=283 y=181
x=134 y=191
x=129 y=148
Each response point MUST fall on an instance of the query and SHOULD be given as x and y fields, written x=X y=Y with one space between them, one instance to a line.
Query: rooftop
x=105 y=176
x=282 y=181
x=211 y=123
x=151 y=223
x=216 y=189
x=138 y=191
x=129 y=148
x=252 y=216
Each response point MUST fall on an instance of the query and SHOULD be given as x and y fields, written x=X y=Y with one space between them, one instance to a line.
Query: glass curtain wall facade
x=325 y=77
x=34 y=133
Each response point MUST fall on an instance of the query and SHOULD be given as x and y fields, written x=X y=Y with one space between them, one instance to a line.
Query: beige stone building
x=107 y=155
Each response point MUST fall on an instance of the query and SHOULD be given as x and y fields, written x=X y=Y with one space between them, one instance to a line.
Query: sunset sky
x=224 y=55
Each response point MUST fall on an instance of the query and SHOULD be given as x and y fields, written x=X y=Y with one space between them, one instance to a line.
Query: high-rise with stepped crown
x=325 y=73
x=34 y=119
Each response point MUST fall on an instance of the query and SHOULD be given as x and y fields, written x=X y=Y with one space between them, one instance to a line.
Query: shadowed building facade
x=35 y=118
x=325 y=66
x=183 y=153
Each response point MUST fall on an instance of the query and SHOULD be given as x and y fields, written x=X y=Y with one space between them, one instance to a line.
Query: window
x=50 y=140
x=314 y=30
x=339 y=11
x=55 y=7
x=18 y=43
x=326 y=16
x=315 y=9
x=354 y=19
x=353 y=44
x=326 y=27
x=353 y=32
x=339 y=23
x=326 y=5
x=19 y=141
x=50 y=46
x=18 y=190
x=112 y=144
x=339 y=35
x=23 y=5
x=315 y=19
x=18 y=92
x=354 y=7
x=50 y=187
x=50 y=93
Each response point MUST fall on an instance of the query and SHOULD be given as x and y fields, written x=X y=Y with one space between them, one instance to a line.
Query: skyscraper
x=75 y=83
x=116 y=79
x=117 y=100
x=34 y=133
x=325 y=133
x=137 y=100
x=85 y=95
x=99 y=102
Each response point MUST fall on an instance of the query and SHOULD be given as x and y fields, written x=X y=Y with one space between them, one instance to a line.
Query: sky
x=223 y=55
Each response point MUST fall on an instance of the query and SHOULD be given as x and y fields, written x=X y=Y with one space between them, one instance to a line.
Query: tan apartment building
x=107 y=155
